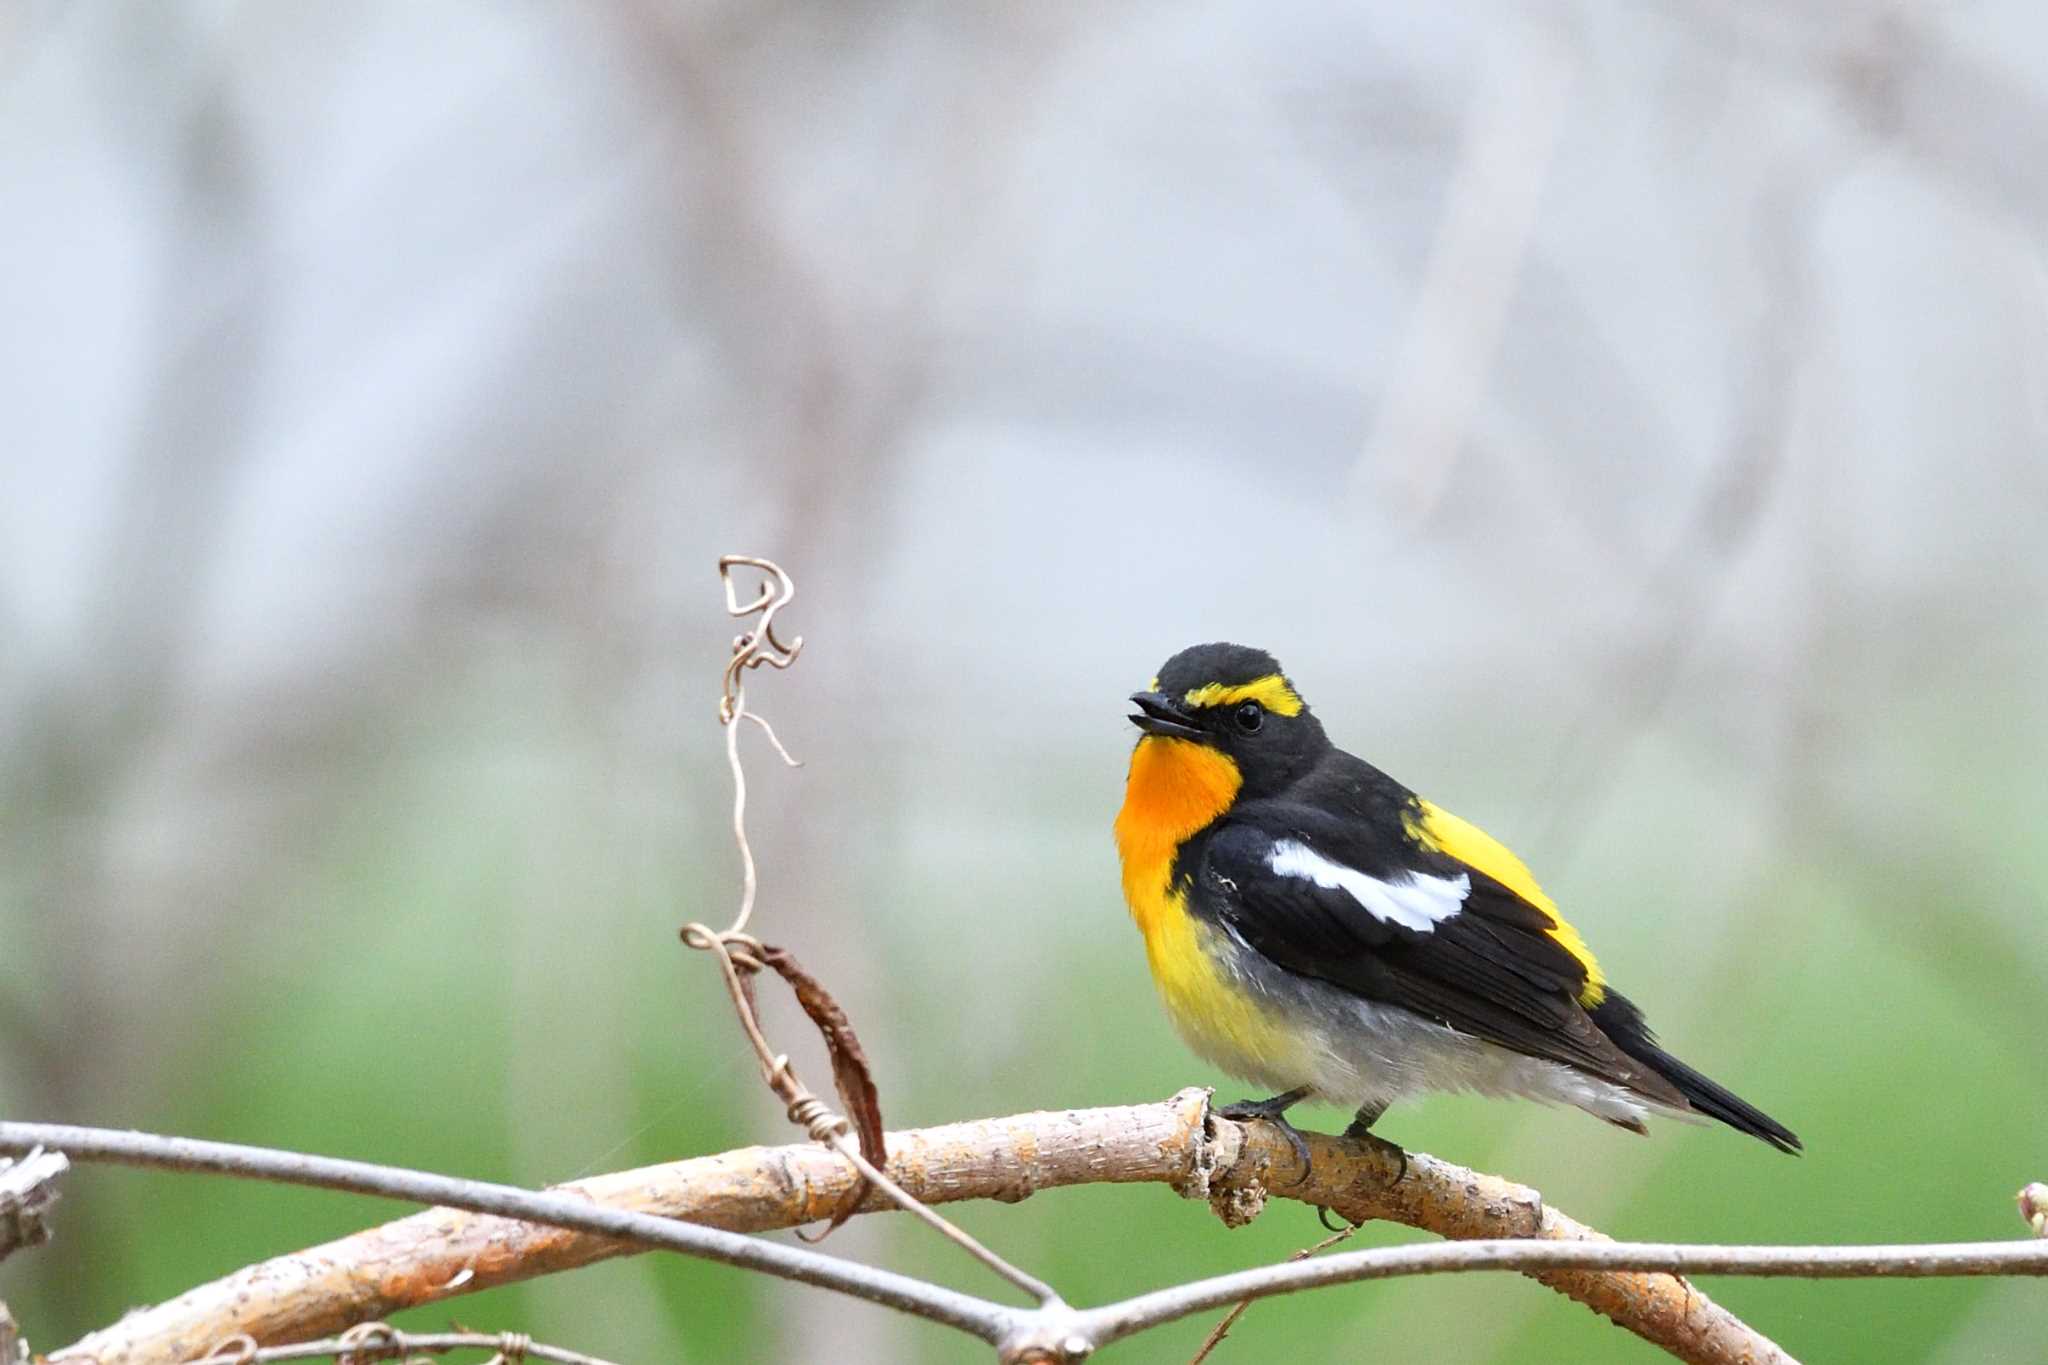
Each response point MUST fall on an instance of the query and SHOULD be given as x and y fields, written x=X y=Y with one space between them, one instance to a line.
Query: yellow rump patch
x=1473 y=846
x=1271 y=692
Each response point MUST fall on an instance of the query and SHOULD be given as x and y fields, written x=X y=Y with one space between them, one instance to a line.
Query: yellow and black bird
x=1317 y=929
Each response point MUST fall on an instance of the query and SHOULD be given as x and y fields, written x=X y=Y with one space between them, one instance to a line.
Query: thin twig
x=751 y=649
x=1933 y=1260
x=739 y=953
x=830 y=1129
x=1347 y=1176
x=430 y=1257
x=1038 y=1289
x=962 y=1311
x=1229 y=1320
x=374 y=1340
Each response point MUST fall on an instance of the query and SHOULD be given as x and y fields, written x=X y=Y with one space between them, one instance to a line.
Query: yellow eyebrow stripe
x=1271 y=692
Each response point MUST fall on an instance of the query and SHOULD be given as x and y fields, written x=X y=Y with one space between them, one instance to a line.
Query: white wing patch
x=1416 y=901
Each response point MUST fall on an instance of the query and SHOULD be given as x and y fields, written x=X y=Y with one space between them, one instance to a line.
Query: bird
x=1316 y=929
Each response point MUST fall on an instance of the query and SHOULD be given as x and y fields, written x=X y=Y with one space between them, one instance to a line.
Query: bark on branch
x=12 y=1349
x=28 y=1187
x=441 y=1253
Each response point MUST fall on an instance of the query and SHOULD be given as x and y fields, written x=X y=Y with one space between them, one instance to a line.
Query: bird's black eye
x=1250 y=717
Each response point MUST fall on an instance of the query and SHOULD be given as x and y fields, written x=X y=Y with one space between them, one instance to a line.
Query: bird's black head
x=1235 y=701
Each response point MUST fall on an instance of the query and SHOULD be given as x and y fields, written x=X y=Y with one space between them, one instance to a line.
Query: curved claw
x=1360 y=1130
x=1274 y=1111
x=1323 y=1217
x=1297 y=1142
x=1392 y=1149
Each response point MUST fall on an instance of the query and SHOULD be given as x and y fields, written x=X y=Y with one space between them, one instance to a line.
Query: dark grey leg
x=1362 y=1122
x=1360 y=1129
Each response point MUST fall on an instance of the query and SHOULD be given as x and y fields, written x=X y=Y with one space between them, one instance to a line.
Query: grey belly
x=1357 y=1053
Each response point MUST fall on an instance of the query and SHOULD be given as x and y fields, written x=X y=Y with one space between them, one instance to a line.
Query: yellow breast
x=1176 y=788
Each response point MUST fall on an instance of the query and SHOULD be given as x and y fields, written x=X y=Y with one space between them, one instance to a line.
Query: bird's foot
x=1360 y=1130
x=1274 y=1111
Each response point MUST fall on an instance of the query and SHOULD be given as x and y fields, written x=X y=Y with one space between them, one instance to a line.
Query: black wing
x=1489 y=969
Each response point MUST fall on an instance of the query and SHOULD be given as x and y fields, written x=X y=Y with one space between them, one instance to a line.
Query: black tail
x=1621 y=1021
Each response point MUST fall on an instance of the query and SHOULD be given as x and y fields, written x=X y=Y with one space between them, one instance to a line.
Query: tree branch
x=27 y=1189
x=379 y=1341
x=434 y=1255
x=1934 y=1260
x=12 y=1350
x=617 y=1227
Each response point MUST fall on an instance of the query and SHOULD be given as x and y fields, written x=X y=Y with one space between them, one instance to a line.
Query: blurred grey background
x=1626 y=424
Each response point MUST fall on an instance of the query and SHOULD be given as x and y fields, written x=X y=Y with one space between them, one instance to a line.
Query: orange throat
x=1176 y=787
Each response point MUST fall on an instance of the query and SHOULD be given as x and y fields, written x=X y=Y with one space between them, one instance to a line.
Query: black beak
x=1157 y=715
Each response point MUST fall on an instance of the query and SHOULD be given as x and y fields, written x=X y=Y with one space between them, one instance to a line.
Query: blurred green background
x=1628 y=429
